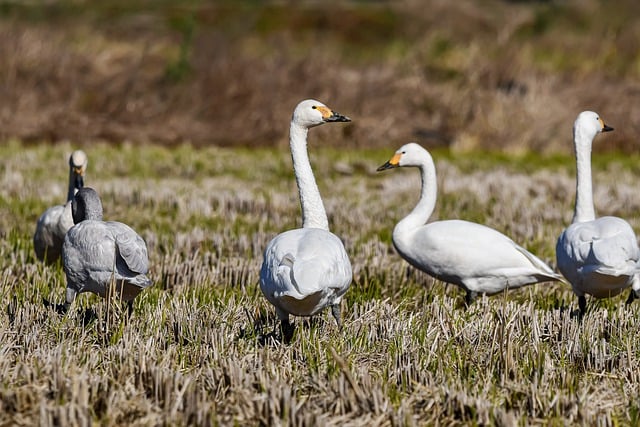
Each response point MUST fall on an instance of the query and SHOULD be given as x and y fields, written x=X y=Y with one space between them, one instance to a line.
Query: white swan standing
x=472 y=256
x=306 y=269
x=54 y=223
x=97 y=254
x=598 y=256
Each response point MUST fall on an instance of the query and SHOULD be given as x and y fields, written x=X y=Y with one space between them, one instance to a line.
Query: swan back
x=304 y=270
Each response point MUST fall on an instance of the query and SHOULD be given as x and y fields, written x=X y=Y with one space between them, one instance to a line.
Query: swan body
x=54 y=223
x=307 y=269
x=98 y=253
x=599 y=256
x=472 y=256
x=304 y=271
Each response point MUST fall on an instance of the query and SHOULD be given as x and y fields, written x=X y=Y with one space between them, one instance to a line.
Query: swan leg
x=129 y=308
x=582 y=304
x=470 y=297
x=64 y=308
x=286 y=326
x=335 y=311
x=287 y=330
x=632 y=296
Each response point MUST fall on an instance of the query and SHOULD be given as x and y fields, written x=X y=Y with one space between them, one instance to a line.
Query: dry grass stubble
x=199 y=348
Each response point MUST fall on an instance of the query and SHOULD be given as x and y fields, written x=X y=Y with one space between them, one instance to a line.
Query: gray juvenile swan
x=306 y=269
x=98 y=253
x=54 y=223
x=599 y=256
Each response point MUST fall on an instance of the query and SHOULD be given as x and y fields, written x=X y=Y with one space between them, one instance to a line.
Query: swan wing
x=131 y=249
x=473 y=256
x=48 y=237
x=302 y=262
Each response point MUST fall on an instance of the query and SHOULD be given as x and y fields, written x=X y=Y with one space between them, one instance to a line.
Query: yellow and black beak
x=394 y=162
x=336 y=117
x=605 y=128
x=328 y=115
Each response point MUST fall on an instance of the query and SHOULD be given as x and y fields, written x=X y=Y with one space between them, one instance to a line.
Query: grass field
x=200 y=347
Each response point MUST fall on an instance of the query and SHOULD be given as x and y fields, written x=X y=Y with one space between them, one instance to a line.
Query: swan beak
x=394 y=162
x=328 y=115
x=336 y=117
x=605 y=128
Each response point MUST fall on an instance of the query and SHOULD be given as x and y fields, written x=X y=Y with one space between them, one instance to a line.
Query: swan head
x=86 y=205
x=310 y=113
x=588 y=125
x=78 y=165
x=411 y=154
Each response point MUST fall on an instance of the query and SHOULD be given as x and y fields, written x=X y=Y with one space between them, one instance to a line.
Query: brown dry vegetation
x=199 y=348
x=465 y=74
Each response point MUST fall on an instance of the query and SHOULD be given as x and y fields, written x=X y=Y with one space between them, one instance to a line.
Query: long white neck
x=313 y=213
x=584 y=210
x=428 y=194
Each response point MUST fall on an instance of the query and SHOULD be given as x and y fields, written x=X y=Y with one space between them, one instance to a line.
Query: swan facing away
x=54 y=223
x=472 y=256
x=599 y=256
x=98 y=254
x=306 y=269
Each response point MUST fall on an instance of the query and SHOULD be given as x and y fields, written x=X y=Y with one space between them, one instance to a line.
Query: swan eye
x=313 y=107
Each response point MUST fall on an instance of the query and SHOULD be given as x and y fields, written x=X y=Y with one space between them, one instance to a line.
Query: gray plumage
x=54 y=223
x=98 y=253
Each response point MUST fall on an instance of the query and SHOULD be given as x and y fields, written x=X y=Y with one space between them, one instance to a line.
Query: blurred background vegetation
x=465 y=75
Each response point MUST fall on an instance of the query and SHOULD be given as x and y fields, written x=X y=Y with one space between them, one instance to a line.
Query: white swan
x=475 y=257
x=306 y=269
x=96 y=253
x=54 y=223
x=598 y=256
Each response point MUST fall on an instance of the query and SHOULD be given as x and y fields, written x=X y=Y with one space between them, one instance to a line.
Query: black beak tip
x=337 y=117
x=607 y=128
x=384 y=167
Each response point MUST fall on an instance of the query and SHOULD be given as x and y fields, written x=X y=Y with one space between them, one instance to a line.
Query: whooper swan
x=472 y=256
x=306 y=269
x=598 y=256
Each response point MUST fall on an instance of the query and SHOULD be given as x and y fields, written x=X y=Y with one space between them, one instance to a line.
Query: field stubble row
x=200 y=347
